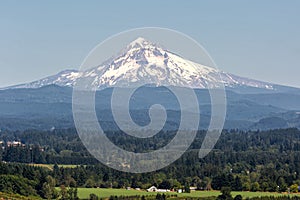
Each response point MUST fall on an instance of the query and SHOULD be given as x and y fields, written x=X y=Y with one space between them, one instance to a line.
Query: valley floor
x=83 y=193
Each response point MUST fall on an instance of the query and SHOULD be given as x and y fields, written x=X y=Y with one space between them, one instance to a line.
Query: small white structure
x=179 y=191
x=162 y=190
x=155 y=189
x=152 y=189
x=15 y=144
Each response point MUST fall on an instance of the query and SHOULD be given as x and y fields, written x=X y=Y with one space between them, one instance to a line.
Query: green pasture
x=84 y=193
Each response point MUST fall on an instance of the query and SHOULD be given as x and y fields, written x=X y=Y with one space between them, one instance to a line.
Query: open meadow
x=50 y=166
x=83 y=193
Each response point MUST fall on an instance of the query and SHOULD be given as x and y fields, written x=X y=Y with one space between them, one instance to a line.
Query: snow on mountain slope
x=63 y=78
x=145 y=62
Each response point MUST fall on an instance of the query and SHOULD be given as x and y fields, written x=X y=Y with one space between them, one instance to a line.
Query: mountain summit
x=143 y=62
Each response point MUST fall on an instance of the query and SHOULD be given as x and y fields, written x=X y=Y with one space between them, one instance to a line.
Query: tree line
x=242 y=161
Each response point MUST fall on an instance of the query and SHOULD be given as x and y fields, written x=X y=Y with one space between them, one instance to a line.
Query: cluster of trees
x=33 y=182
x=243 y=161
x=45 y=147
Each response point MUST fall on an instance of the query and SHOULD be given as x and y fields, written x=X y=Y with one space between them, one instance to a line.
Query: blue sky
x=255 y=39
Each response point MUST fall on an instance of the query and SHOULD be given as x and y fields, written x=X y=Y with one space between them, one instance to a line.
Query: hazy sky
x=255 y=39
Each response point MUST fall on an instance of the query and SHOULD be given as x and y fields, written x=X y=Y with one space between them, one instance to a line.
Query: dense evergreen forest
x=242 y=161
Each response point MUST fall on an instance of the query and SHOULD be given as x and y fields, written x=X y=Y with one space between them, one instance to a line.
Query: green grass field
x=50 y=166
x=16 y=197
x=84 y=193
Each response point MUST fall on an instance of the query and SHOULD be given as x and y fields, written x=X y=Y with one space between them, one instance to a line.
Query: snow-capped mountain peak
x=141 y=42
x=144 y=62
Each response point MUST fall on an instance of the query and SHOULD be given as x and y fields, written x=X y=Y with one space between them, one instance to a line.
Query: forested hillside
x=244 y=161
